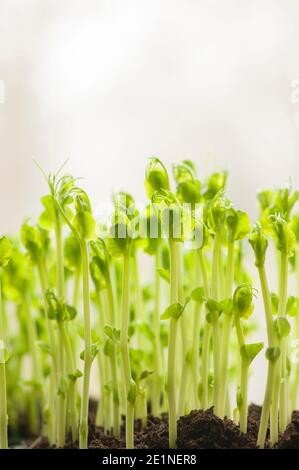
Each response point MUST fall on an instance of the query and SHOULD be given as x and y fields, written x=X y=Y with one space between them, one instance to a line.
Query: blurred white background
x=109 y=83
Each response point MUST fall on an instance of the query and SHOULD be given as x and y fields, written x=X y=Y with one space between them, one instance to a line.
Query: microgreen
x=177 y=342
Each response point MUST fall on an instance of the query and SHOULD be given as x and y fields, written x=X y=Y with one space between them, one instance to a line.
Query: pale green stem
x=61 y=399
x=272 y=366
x=172 y=339
x=243 y=410
x=206 y=338
x=215 y=292
x=83 y=433
x=124 y=348
x=113 y=362
x=157 y=344
x=283 y=294
x=266 y=404
x=227 y=327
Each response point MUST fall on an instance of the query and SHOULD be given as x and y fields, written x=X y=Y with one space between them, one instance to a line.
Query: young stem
x=113 y=362
x=215 y=291
x=156 y=397
x=124 y=348
x=283 y=406
x=52 y=343
x=36 y=364
x=83 y=433
x=73 y=418
x=3 y=401
x=243 y=409
x=171 y=367
x=195 y=343
x=206 y=338
x=103 y=407
x=61 y=398
x=266 y=404
x=184 y=340
x=272 y=366
x=227 y=327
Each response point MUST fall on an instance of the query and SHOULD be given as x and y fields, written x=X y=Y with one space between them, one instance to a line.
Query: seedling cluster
x=73 y=307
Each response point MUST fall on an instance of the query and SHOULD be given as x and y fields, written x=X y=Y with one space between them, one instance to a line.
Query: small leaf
x=282 y=327
x=173 y=311
x=250 y=351
x=145 y=374
x=85 y=224
x=274 y=302
x=164 y=273
x=108 y=348
x=76 y=375
x=112 y=333
x=292 y=306
x=198 y=295
x=272 y=354
x=132 y=394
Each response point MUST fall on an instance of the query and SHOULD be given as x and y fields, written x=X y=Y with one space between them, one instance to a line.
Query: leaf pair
x=175 y=310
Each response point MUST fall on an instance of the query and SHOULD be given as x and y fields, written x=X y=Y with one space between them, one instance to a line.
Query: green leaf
x=132 y=394
x=164 y=273
x=238 y=224
x=76 y=375
x=156 y=177
x=170 y=213
x=272 y=354
x=198 y=295
x=250 y=351
x=85 y=225
x=292 y=306
x=214 y=184
x=95 y=348
x=283 y=234
x=214 y=309
x=243 y=301
x=282 y=327
x=145 y=374
x=112 y=333
x=227 y=306
x=108 y=348
x=274 y=302
x=218 y=212
x=175 y=310
x=5 y=251
x=47 y=218
x=259 y=243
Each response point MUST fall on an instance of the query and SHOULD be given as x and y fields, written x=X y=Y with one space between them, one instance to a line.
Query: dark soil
x=198 y=430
